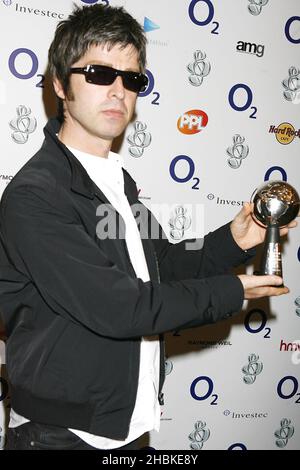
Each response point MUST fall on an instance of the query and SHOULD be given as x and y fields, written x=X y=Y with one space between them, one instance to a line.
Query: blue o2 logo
x=200 y=21
x=248 y=101
x=298 y=254
x=91 y=2
x=34 y=63
x=190 y=171
x=288 y=29
x=196 y=386
x=288 y=388
x=149 y=89
x=276 y=168
x=33 y=68
x=237 y=446
x=262 y=321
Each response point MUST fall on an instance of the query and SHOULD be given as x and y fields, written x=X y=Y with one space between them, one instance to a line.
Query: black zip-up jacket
x=73 y=308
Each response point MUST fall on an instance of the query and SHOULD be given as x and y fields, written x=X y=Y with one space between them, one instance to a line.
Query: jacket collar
x=81 y=183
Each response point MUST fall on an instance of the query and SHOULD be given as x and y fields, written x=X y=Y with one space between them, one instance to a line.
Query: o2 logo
x=91 y=2
x=263 y=322
x=34 y=66
x=210 y=388
x=289 y=379
x=203 y=22
x=298 y=255
x=276 y=168
x=150 y=88
x=237 y=446
x=190 y=172
x=249 y=99
x=288 y=29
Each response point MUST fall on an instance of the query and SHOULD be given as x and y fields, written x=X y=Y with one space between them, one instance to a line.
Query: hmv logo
x=250 y=48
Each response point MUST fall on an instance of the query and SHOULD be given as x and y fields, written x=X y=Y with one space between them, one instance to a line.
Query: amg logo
x=250 y=48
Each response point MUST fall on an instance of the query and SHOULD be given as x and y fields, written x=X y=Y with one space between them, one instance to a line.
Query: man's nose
x=117 y=88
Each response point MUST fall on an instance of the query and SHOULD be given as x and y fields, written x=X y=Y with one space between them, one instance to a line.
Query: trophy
x=276 y=204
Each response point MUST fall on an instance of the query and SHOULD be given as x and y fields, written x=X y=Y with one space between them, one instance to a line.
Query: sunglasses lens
x=101 y=76
x=135 y=82
x=106 y=76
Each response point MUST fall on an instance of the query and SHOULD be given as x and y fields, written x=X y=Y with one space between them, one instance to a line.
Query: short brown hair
x=88 y=26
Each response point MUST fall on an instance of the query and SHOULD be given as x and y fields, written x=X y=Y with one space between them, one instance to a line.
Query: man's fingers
x=256 y=287
x=293 y=224
x=259 y=292
x=268 y=280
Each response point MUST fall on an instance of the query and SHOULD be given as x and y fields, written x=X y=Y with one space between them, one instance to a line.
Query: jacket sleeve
x=217 y=253
x=76 y=279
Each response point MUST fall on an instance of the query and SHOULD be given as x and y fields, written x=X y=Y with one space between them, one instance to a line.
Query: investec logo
x=192 y=122
x=245 y=415
x=285 y=133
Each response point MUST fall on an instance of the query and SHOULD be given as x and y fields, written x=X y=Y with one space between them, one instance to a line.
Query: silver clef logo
x=237 y=152
x=285 y=432
x=179 y=222
x=297 y=303
x=198 y=69
x=1 y=439
x=168 y=366
x=252 y=369
x=255 y=7
x=291 y=86
x=139 y=140
x=199 y=436
x=22 y=125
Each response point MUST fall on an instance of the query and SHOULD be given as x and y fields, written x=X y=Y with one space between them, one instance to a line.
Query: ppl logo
x=192 y=122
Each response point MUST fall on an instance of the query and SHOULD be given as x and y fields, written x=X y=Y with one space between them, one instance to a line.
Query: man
x=82 y=310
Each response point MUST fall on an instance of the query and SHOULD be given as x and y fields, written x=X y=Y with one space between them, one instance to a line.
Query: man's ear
x=58 y=88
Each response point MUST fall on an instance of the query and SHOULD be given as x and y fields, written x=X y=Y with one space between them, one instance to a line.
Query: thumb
x=252 y=281
x=247 y=208
x=269 y=280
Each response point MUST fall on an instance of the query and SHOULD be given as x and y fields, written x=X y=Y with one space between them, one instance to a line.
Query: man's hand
x=248 y=233
x=256 y=287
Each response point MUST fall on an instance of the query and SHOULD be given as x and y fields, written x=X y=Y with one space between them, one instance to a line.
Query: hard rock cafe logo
x=285 y=432
x=199 y=435
x=179 y=223
x=199 y=69
x=192 y=122
x=285 y=133
x=139 y=140
x=291 y=86
x=237 y=152
x=252 y=369
x=255 y=6
x=22 y=125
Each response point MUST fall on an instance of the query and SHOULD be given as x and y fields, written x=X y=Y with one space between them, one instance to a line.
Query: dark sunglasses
x=102 y=75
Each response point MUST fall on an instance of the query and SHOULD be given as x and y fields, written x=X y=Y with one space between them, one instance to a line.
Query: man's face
x=97 y=113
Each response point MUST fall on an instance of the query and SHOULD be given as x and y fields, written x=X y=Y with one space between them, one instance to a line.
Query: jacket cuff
x=232 y=255
x=228 y=295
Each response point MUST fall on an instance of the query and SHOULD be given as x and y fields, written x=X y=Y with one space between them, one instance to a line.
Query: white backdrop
x=220 y=116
